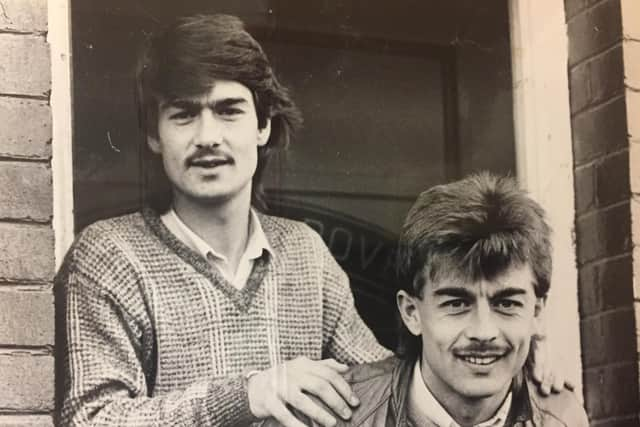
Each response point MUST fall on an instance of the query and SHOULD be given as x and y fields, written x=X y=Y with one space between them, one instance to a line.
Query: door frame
x=544 y=158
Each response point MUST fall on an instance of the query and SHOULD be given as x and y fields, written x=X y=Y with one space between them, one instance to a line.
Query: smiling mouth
x=480 y=360
x=209 y=162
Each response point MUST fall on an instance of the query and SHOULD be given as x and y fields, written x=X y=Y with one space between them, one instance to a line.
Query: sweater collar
x=242 y=298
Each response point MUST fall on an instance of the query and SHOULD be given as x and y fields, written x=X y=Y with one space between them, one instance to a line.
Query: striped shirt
x=154 y=335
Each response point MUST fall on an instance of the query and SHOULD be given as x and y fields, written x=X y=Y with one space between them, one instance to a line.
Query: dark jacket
x=382 y=388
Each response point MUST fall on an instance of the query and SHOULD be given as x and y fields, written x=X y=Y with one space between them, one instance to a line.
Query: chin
x=482 y=389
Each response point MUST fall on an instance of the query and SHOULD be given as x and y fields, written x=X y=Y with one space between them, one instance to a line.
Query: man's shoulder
x=562 y=408
x=367 y=373
x=372 y=383
x=101 y=245
x=287 y=232
x=122 y=225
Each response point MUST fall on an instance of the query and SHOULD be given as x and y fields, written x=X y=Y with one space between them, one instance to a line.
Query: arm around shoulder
x=562 y=409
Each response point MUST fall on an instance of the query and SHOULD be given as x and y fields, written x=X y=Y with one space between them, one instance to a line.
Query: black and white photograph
x=325 y=213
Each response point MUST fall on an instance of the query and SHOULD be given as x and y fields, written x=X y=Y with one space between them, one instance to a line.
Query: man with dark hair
x=208 y=313
x=474 y=264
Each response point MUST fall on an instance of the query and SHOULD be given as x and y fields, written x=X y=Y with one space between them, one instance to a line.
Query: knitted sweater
x=155 y=336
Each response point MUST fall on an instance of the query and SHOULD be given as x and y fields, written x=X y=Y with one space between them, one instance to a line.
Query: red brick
x=599 y=131
x=27 y=191
x=585 y=189
x=611 y=391
x=604 y=233
x=597 y=80
x=23 y=15
x=594 y=30
x=26 y=421
x=606 y=286
x=609 y=338
x=612 y=179
x=27 y=382
x=27 y=128
x=26 y=317
x=25 y=68
x=27 y=252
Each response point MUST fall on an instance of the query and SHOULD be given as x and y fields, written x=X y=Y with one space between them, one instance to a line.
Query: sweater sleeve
x=346 y=337
x=109 y=357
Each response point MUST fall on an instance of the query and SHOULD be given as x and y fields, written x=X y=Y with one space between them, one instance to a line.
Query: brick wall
x=26 y=234
x=603 y=171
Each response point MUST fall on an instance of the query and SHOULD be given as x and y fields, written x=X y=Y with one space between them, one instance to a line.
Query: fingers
x=569 y=385
x=335 y=365
x=305 y=405
x=338 y=383
x=557 y=384
x=280 y=412
x=546 y=384
x=325 y=391
x=296 y=384
x=537 y=371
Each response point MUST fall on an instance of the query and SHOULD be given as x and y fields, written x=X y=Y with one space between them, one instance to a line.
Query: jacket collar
x=521 y=408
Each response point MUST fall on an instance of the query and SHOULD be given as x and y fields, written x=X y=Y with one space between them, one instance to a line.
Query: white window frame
x=544 y=158
x=59 y=38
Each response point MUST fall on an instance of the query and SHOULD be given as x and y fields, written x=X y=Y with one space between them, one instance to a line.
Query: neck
x=466 y=411
x=223 y=225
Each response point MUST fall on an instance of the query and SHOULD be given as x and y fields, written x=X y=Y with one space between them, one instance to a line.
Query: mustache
x=481 y=349
x=207 y=151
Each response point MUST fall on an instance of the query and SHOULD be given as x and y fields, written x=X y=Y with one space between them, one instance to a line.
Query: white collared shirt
x=425 y=409
x=256 y=243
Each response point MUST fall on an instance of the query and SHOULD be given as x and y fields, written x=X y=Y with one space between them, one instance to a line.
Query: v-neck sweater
x=155 y=336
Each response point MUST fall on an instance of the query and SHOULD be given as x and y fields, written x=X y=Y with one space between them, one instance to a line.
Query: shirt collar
x=430 y=409
x=256 y=241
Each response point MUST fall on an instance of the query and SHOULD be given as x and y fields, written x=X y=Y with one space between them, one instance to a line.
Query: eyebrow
x=453 y=292
x=192 y=104
x=459 y=292
x=508 y=292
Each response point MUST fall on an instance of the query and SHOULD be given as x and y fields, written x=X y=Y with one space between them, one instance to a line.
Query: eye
x=455 y=305
x=230 y=112
x=507 y=305
x=183 y=116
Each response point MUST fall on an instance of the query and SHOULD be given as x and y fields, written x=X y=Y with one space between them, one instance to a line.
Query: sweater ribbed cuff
x=228 y=403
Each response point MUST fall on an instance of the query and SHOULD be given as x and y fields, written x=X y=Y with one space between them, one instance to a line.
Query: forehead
x=220 y=90
x=515 y=277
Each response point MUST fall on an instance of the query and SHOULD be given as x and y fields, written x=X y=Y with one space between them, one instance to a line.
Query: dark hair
x=185 y=59
x=472 y=229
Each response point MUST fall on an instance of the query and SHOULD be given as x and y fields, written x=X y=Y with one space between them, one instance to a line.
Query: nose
x=209 y=131
x=482 y=327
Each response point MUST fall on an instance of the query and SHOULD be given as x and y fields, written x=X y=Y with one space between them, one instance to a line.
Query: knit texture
x=155 y=336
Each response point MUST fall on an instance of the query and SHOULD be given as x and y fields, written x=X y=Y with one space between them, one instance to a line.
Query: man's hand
x=272 y=390
x=549 y=376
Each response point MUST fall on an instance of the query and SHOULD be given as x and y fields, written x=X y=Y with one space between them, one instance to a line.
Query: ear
x=408 y=308
x=154 y=144
x=264 y=133
x=540 y=329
